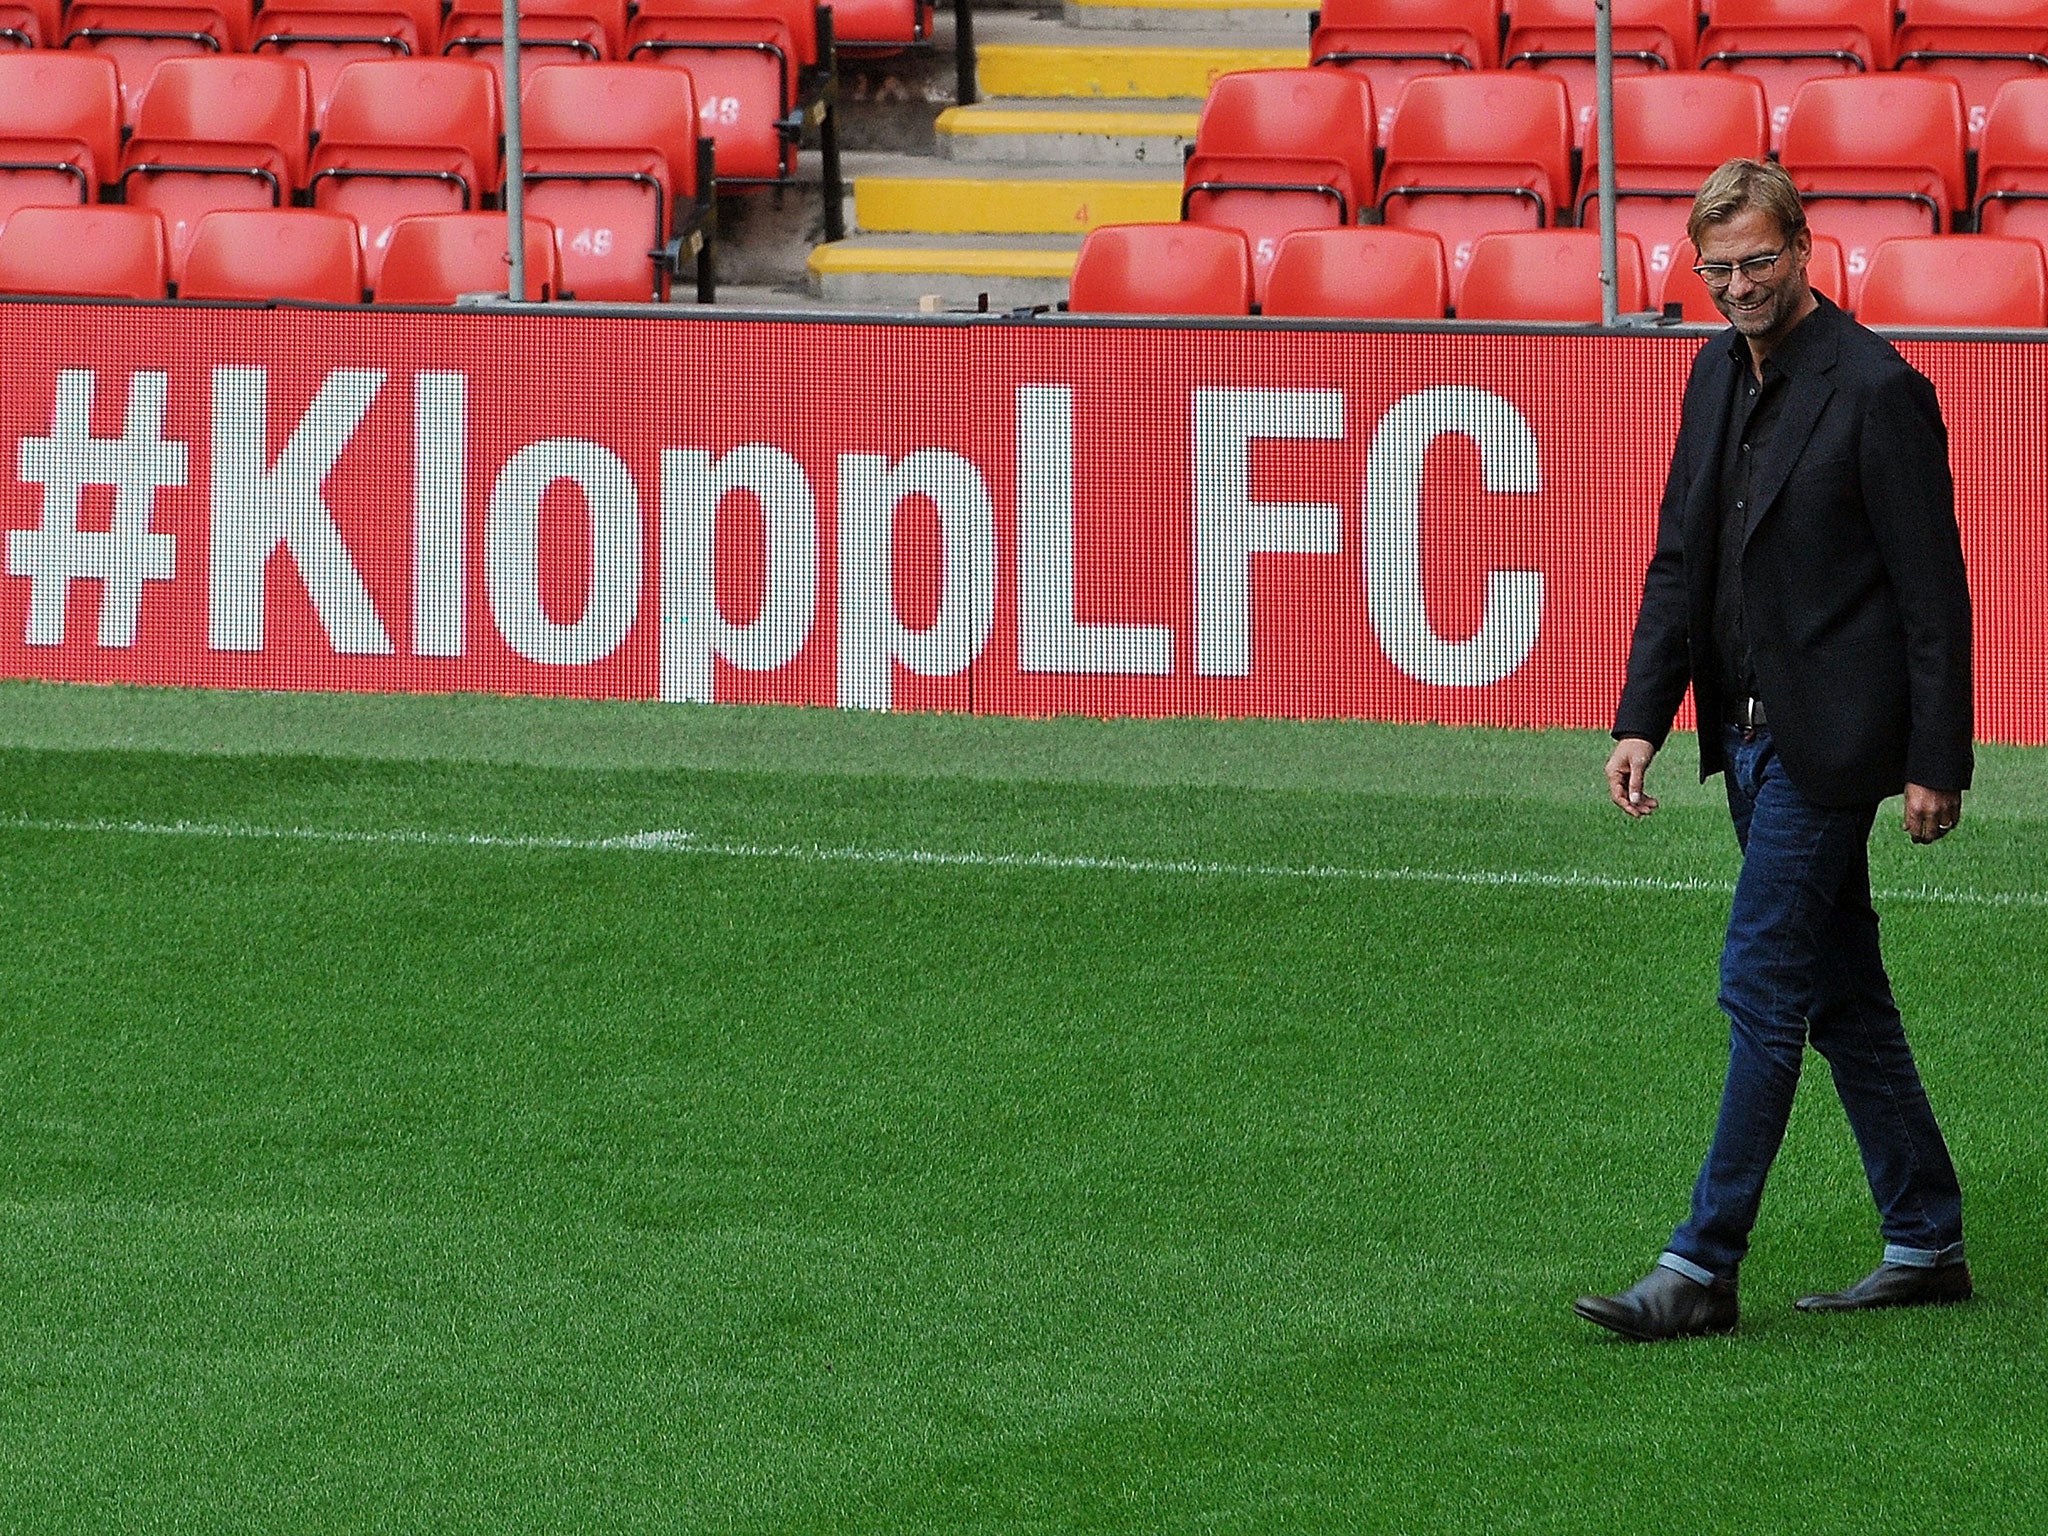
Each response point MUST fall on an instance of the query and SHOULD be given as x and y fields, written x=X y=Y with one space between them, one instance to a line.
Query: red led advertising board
x=1004 y=516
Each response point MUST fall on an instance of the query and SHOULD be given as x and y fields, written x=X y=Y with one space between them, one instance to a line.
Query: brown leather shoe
x=1663 y=1305
x=1896 y=1285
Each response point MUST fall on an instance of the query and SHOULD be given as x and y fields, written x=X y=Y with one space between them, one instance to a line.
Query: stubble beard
x=1766 y=318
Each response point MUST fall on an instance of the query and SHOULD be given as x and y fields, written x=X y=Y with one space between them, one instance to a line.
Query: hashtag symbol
x=137 y=464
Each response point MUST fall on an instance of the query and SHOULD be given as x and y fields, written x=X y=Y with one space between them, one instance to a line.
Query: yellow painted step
x=909 y=260
x=1195 y=5
x=1005 y=121
x=938 y=205
x=1035 y=70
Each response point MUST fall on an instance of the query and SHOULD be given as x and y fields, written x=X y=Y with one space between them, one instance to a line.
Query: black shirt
x=1753 y=410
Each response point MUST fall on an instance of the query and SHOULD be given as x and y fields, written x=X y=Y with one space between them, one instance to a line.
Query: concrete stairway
x=1083 y=118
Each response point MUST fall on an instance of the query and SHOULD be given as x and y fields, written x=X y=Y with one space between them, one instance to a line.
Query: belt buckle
x=1746 y=717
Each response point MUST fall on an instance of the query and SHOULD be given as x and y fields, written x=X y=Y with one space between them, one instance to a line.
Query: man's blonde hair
x=1745 y=184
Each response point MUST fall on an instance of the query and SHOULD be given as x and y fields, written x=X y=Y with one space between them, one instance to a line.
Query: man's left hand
x=1931 y=814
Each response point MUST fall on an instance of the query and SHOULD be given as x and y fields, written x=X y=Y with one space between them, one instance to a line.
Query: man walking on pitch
x=1808 y=584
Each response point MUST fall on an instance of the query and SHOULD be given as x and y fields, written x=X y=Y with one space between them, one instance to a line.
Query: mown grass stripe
x=676 y=840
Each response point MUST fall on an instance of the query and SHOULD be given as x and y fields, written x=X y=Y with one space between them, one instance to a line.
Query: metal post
x=1603 y=80
x=967 y=91
x=833 y=179
x=515 y=160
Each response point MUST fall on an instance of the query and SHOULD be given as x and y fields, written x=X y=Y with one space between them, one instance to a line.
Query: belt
x=1748 y=713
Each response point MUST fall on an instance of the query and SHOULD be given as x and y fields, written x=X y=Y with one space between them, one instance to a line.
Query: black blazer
x=1857 y=604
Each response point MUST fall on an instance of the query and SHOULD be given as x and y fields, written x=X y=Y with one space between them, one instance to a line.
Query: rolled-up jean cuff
x=1923 y=1258
x=1686 y=1267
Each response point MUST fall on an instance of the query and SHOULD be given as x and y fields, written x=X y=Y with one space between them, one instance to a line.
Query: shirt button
x=1740 y=505
x=1752 y=391
x=1745 y=447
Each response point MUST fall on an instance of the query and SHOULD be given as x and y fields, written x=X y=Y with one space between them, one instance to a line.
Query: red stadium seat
x=1827 y=269
x=1785 y=43
x=868 y=26
x=1391 y=42
x=1980 y=44
x=262 y=253
x=1556 y=36
x=613 y=161
x=1877 y=157
x=407 y=136
x=218 y=133
x=114 y=253
x=2012 y=168
x=139 y=34
x=810 y=27
x=1279 y=150
x=435 y=258
x=753 y=62
x=1956 y=280
x=31 y=24
x=60 y=128
x=550 y=32
x=329 y=35
x=1548 y=274
x=1682 y=285
x=1473 y=154
x=1162 y=269
x=1670 y=133
x=1359 y=274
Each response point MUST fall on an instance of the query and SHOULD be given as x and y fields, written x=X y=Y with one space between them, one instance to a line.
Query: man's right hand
x=1625 y=772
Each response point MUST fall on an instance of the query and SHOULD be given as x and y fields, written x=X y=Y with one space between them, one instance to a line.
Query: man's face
x=1761 y=307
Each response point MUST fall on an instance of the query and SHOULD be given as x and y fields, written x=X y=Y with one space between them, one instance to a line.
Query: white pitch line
x=678 y=841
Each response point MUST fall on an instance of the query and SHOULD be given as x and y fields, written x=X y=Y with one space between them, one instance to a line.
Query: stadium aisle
x=1082 y=122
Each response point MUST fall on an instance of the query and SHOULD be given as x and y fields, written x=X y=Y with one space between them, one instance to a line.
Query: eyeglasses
x=1719 y=274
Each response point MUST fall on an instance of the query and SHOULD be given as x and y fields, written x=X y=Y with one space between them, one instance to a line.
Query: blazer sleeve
x=1910 y=497
x=1660 y=654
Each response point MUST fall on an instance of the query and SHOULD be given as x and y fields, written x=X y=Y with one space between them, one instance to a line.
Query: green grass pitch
x=945 y=1125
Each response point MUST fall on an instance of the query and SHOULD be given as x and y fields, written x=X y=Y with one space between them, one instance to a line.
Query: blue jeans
x=1801 y=962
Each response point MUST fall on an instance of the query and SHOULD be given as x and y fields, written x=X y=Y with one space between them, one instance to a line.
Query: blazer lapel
x=1701 y=518
x=1806 y=397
